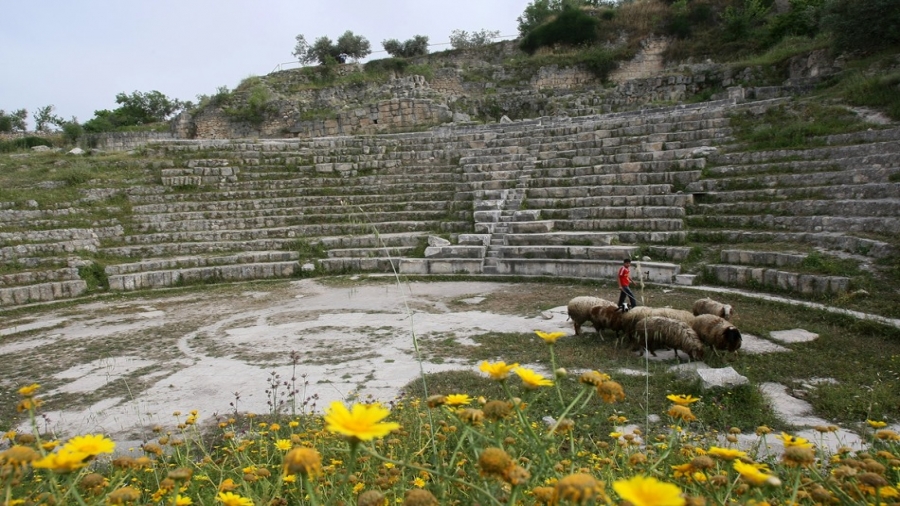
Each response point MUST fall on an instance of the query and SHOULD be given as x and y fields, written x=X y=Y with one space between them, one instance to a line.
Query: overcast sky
x=78 y=54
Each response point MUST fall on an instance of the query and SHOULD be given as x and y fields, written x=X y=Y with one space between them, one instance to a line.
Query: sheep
x=654 y=332
x=709 y=306
x=580 y=310
x=675 y=314
x=716 y=332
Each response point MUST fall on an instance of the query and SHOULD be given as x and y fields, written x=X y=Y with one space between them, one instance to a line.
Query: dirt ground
x=125 y=366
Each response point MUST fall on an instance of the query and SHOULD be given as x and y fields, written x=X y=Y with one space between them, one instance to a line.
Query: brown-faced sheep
x=709 y=306
x=654 y=332
x=717 y=332
x=630 y=319
x=580 y=310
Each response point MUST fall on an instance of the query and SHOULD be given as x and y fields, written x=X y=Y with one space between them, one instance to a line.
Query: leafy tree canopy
x=539 y=11
x=415 y=46
x=348 y=47
x=13 y=121
x=134 y=109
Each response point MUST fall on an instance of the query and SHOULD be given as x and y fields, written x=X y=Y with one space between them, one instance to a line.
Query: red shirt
x=624 y=276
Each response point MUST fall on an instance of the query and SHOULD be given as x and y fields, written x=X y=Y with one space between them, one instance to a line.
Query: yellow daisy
x=230 y=499
x=726 y=453
x=498 y=370
x=872 y=423
x=682 y=400
x=92 y=444
x=549 y=337
x=457 y=400
x=531 y=379
x=28 y=391
x=754 y=475
x=797 y=441
x=648 y=491
x=362 y=422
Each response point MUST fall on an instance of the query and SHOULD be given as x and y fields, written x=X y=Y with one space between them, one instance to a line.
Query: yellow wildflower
x=283 y=444
x=229 y=499
x=92 y=444
x=361 y=422
x=682 y=400
x=28 y=391
x=753 y=475
x=531 y=379
x=63 y=461
x=680 y=412
x=181 y=500
x=648 y=491
x=726 y=453
x=876 y=424
x=123 y=495
x=550 y=337
x=610 y=392
x=797 y=441
x=498 y=370
x=458 y=400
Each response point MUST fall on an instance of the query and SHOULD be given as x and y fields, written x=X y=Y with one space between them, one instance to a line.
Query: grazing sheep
x=709 y=306
x=631 y=318
x=655 y=332
x=580 y=310
x=717 y=332
x=675 y=314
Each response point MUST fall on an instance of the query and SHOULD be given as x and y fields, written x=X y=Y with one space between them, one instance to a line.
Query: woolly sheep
x=654 y=332
x=675 y=314
x=709 y=306
x=580 y=310
x=717 y=332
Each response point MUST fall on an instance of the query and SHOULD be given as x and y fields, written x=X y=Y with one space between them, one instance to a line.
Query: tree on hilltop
x=348 y=47
x=13 y=121
x=415 y=46
x=134 y=109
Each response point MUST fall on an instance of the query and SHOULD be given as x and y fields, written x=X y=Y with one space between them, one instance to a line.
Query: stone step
x=288 y=212
x=886 y=208
x=208 y=274
x=614 y=212
x=642 y=178
x=764 y=258
x=864 y=191
x=423 y=266
x=568 y=252
x=820 y=153
x=455 y=251
x=385 y=251
x=827 y=240
x=41 y=292
x=360 y=264
x=878 y=226
x=586 y=191
x=616 y=165
x=655 y=224
x=857 y=176
x=291 y=197
x=294 y=232
x=182 y=262
x=677 y=200
x=38 y=277
x=656 y=272
x=276 y=222
x=798 y=166
x=231 y=202
x=782 y=280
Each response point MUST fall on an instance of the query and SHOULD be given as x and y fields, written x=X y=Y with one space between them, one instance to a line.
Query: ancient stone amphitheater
x=553 y=196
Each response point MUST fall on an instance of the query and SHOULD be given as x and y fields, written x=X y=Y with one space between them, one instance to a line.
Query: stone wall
x=122 y=141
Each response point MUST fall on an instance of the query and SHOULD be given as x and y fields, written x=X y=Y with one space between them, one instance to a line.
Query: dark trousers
x=626 y=292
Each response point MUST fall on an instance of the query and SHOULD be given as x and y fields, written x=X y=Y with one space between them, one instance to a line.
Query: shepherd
x=624 y=290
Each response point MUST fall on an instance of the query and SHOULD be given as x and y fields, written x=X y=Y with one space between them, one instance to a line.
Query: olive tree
x=348 y=47
x=415 y=46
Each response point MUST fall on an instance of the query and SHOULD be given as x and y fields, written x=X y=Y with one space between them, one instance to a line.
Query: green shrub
x=385 y=65
x=863 y=26
x=571 y=28
x=23 y=143
x=882 y=92
x=94 y=274
x=258 y=106
x=802 y=19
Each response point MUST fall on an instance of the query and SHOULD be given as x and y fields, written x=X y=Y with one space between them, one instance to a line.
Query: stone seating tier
x=614 y=212
x=765 y=258
x=41 y=292
x=782 y=280
x=557 y=170
x=810 y=166
x=36 y=277
x=828 y=240
x=883 y=207
x=865 y=191
x=674 y=200
x=257 y=201
x=567 y=252
x=845 y=177
x=159 y=264
x=879 y=226
x=181 y=276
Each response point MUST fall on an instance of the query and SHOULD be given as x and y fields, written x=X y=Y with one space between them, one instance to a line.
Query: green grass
x=796 y=127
